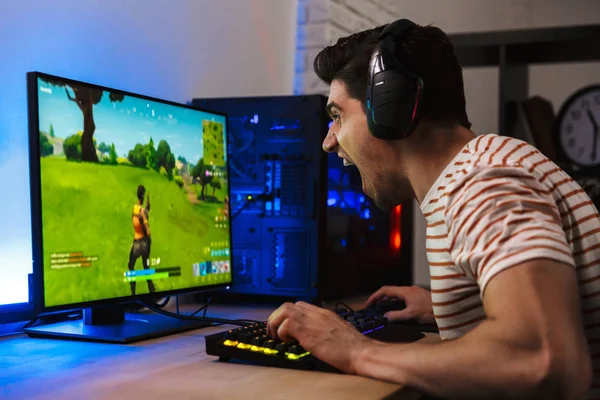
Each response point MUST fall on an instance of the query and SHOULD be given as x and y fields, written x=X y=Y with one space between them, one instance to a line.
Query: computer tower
x=301 y=225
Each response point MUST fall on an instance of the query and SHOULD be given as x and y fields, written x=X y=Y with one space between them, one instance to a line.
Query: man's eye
x=336 y=117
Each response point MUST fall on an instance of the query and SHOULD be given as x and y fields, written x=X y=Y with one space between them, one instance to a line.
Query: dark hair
x=428 y=53
x=141 y=191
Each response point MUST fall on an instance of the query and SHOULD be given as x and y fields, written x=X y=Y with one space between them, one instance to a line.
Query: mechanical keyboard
x=251 y=344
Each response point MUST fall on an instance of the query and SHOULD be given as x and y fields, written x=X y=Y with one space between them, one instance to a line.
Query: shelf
x=528 y=46
x=514 y=50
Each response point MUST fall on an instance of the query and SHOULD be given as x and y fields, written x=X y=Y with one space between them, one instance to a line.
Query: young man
x=513 y=243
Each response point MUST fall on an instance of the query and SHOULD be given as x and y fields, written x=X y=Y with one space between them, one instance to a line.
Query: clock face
x=579 y=130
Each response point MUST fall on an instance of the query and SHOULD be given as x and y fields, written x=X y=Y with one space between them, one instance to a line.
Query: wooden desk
x=172 y=368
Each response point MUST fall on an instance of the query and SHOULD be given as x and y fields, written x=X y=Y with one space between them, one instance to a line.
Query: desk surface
x=172 y=367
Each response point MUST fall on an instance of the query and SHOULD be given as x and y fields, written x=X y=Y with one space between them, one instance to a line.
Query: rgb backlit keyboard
x=251 y=344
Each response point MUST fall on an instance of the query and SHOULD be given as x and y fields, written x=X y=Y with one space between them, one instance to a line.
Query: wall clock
x=578 y=130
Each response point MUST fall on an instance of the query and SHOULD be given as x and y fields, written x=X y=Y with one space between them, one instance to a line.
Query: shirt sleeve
x=499 y=217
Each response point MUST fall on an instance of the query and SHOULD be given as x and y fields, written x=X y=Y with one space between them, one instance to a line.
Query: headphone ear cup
x=393 y=92
x=393 y=105
x=391 y=102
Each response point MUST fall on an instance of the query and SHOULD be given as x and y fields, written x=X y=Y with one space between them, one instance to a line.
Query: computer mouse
x=390 y=305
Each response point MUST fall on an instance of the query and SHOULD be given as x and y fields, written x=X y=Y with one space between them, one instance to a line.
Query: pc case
x=302 y=227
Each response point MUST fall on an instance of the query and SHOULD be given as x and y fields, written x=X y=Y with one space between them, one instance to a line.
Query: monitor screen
x=133 y=193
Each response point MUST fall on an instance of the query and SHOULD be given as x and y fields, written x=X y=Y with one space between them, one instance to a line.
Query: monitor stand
x=114 y=325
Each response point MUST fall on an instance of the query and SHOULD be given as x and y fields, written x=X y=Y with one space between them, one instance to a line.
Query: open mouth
x=347 y=163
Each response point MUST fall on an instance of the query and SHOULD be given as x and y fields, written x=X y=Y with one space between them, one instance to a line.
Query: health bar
x=162 y=275
x=140 y=272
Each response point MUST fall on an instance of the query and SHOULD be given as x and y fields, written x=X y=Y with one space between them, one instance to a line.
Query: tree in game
x=46 y=148
x=151 y=156
x=165 y=158
x=215 y=184
x=85 y=97
x=103 y=148
x=113 y=154
x=204 y=174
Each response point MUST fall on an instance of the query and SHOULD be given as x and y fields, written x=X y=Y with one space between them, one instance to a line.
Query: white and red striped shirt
x=499 y=203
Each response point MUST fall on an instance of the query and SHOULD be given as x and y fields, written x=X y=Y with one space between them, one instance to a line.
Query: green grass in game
x=87 y=208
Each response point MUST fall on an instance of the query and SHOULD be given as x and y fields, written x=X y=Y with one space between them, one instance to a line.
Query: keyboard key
x=282 y=347
x=296 y=349
x=231 y=335
x=256 y=341
x=244 y=337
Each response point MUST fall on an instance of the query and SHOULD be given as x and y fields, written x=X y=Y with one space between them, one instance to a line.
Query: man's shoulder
x=481 y=163
x=492 y=156
x=490 y=175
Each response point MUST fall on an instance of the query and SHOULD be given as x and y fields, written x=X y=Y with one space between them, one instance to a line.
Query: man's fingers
x=285 y=331
x=277 y=318
x=383 y=292
x=374 y=297
x=400 y=315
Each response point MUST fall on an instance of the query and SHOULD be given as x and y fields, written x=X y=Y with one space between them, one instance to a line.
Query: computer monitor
x=130 y=198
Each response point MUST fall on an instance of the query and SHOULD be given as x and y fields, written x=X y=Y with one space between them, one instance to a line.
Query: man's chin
x=379 y=203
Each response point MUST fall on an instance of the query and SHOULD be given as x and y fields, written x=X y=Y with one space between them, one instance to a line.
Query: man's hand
x=417 y=299
x=319 y=331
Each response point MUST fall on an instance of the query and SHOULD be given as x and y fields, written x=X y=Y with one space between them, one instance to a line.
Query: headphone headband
x=397 y=28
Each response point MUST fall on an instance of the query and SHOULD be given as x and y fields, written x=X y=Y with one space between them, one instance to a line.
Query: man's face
x=350 y=138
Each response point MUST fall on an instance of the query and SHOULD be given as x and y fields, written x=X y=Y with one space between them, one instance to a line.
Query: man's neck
x=428 y=153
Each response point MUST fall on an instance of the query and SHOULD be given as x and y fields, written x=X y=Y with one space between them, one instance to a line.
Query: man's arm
x=532 y=344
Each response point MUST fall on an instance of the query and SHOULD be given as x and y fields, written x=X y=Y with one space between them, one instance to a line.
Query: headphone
x=393 y=92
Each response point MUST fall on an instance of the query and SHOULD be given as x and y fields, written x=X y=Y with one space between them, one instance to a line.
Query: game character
x=141 y=236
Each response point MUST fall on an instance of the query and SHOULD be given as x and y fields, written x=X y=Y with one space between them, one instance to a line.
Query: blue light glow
x=374 y=329
x=277 y=206
x=278 y=127
x=331 y=202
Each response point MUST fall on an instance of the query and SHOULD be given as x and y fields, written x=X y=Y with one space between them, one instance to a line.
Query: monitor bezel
x=39 y=299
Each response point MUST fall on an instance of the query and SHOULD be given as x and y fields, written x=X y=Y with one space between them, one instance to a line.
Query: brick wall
x=322 y=22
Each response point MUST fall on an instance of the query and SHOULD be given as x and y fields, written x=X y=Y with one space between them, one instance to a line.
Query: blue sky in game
x=126 y=123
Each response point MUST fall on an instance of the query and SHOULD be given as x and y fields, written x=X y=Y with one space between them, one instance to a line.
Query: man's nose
x=330 y=142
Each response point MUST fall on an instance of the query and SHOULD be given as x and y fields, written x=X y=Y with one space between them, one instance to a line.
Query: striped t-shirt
x=498 y=203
